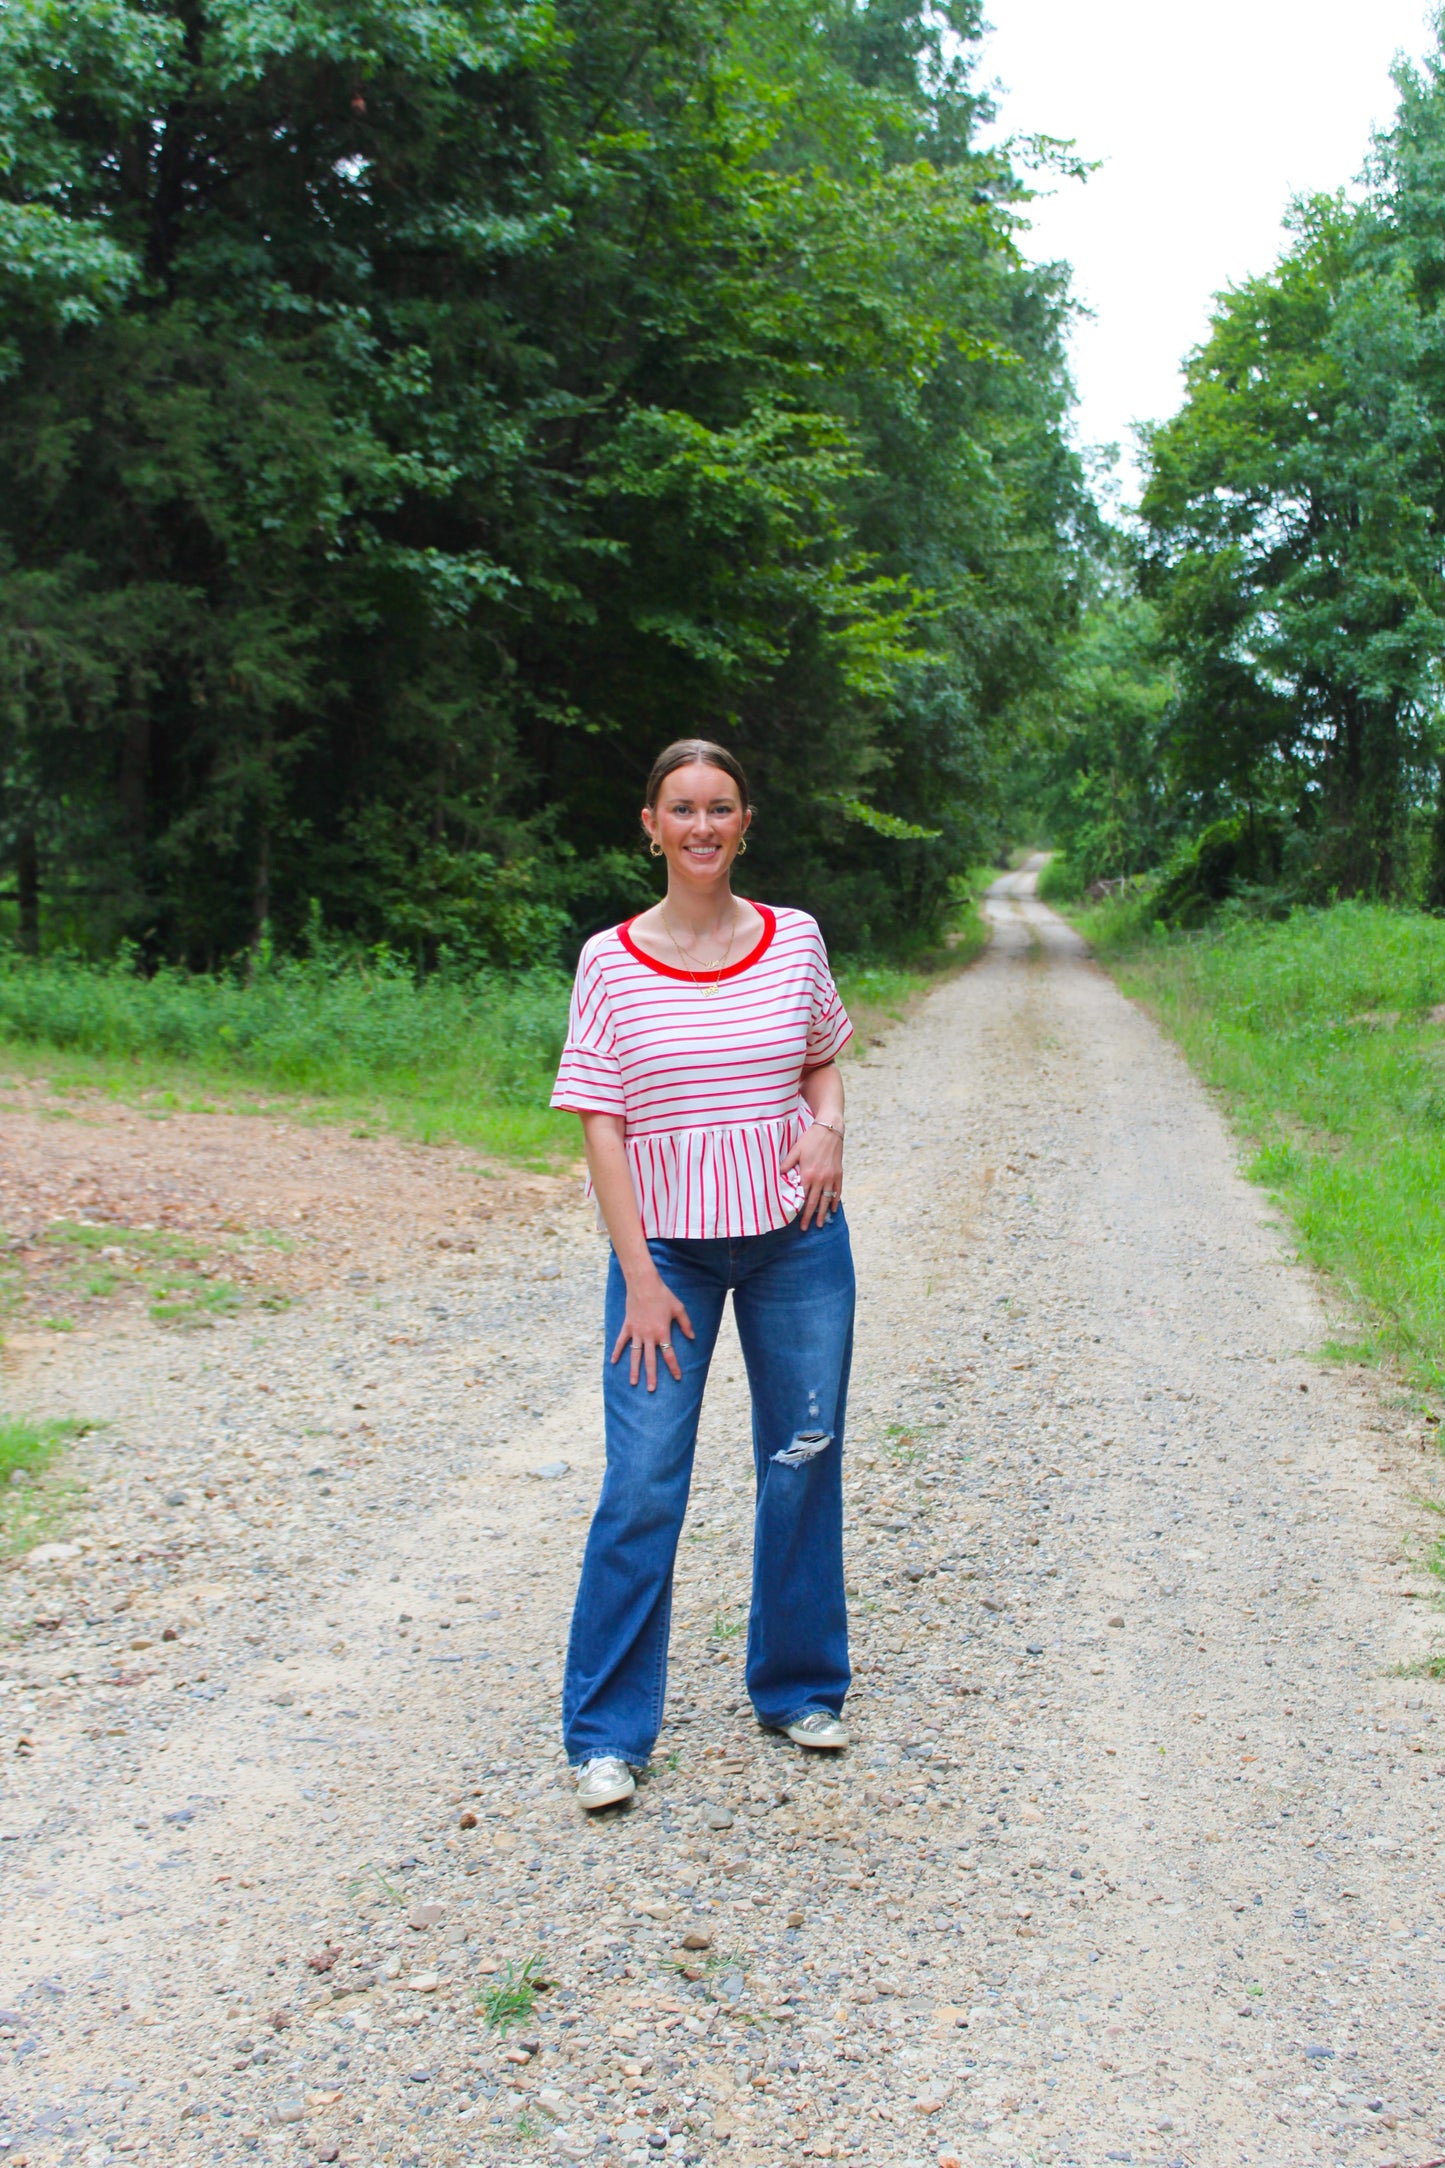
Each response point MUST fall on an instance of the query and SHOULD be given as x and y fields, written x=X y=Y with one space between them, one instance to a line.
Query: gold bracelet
x=819 y=1123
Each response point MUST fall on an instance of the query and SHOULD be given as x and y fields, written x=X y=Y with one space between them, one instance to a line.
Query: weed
x=725 y=1629
x=372 y=1885
x=902 y=1445
x=29 y=1507
x=28 y=1447
x=189 y=1299
x=1427 y=1667
x=511 y=1997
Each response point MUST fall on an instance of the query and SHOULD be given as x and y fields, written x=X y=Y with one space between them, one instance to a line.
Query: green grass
x=29 y=1506
x=1060 y=882
x=1317 y=1031
x=466 y=1059
x=177 y=1275
x=510 y=1998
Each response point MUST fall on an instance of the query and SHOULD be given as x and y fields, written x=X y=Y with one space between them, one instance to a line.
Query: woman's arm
x=651 y=1304
x=818 y=1153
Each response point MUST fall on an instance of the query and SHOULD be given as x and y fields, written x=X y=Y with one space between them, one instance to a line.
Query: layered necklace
x=719 y=968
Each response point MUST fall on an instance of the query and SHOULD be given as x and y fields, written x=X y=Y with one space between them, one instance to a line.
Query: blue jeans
x=793 y=1301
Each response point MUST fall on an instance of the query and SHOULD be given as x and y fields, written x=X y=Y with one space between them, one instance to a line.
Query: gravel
x=1135 y=1856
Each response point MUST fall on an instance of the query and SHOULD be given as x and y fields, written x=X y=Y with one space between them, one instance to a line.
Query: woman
x=701 y=1056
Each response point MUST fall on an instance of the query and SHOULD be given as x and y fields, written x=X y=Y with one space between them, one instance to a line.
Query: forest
x=413 y=415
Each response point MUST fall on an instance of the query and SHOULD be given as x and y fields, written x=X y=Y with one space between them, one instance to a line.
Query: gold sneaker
x=605 y=1781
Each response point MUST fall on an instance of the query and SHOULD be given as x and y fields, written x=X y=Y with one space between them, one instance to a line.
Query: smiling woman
x=702 y=1058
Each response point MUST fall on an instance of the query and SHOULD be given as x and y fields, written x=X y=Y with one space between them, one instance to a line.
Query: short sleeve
x=589 y=1077
x=829 y=1027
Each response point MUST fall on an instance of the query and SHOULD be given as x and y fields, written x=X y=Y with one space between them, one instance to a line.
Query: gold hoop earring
x=742 y=845
x=655 y=848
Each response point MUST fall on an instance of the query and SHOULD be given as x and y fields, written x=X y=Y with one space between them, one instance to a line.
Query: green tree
x=410 y=417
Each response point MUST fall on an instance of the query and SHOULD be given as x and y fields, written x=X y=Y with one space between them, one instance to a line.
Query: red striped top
x=708 y=1083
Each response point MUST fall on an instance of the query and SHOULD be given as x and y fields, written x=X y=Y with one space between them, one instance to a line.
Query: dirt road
x=1136 y=1857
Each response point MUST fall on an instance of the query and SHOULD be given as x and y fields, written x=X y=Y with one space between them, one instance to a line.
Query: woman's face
x=699 y=821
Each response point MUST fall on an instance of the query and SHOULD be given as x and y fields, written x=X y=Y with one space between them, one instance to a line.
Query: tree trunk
x=27 y=882
x=1434 y=897
x=261 y=894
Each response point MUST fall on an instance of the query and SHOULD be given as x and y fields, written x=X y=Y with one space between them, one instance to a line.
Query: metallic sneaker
x=604 y=1781
x=818 y=1728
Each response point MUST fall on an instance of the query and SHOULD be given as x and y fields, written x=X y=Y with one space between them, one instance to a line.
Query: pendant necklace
x=721 y=968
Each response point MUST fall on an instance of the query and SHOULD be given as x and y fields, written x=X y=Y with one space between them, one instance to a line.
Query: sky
x=1207 y=120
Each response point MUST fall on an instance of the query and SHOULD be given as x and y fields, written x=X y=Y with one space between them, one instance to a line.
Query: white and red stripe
x=707 y=1083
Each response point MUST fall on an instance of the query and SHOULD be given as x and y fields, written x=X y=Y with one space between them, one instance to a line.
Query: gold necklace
x=721 y=968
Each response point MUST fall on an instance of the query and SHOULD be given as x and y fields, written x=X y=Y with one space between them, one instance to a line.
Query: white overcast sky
x=1206 y=120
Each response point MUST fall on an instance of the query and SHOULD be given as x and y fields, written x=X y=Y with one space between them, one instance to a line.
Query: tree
x=1292 y=551
x=412 y=417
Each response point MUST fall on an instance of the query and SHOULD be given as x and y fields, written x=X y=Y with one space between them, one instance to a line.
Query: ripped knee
x=806 y=1445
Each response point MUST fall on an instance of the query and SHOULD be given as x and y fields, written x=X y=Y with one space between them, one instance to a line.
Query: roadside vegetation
x=467 y=1057
x=458 y=1056
x=1325 y=1034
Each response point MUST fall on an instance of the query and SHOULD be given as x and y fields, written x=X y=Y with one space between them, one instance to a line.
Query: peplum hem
x=717 y=1183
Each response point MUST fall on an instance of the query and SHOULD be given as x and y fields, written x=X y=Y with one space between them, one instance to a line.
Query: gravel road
x=1135 y=1857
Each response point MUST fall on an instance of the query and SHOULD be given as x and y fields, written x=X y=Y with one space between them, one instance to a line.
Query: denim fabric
x=793 y=1301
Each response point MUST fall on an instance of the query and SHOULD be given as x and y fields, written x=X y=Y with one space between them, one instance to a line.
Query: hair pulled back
x=696 y=752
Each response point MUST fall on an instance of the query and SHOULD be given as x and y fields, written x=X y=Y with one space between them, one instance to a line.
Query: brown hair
x=690 y=752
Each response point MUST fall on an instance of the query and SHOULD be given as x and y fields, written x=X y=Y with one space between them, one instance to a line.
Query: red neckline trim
x=702 y=978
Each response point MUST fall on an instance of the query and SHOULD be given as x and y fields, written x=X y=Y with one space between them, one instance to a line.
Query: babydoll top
x=707 y=1082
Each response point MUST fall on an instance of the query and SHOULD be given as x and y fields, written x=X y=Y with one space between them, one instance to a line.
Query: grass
x=465 y=1059
x=178 y=1276
x=30 y=1507
x=511 y=1997
x=1320 y=1033
x=468 y=1060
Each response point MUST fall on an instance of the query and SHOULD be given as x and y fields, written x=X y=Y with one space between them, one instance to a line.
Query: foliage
x=1282 y=624
x=465 y=1055
x=1224 y=861
x=1324 y=1033
x=1095 y=775
x=410 y=417
x=1062 y=879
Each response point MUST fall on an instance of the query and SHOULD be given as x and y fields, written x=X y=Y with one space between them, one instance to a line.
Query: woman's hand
x=818 y=1157
x=651 y=1309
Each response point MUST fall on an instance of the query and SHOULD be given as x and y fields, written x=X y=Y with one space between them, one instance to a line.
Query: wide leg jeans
x=792 y=1296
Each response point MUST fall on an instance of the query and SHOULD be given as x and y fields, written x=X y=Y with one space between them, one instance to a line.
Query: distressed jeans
x=793 y=1301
